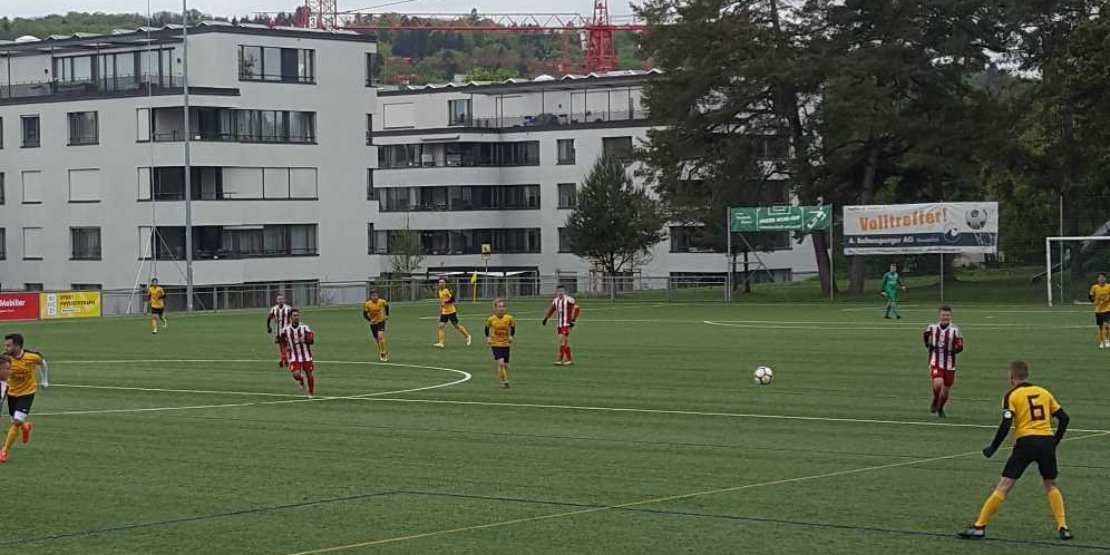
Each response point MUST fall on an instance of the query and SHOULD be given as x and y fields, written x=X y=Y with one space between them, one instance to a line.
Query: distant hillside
x=407 y=56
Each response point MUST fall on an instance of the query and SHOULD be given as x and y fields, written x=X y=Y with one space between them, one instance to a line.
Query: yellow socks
x=154 y=325
x=13 y=432
x=382 y=349
x=992 y=505
x=1056 y=501
x=503 y=375
x=440 y=335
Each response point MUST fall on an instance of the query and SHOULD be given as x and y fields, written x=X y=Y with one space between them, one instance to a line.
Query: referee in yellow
x=1029 y=409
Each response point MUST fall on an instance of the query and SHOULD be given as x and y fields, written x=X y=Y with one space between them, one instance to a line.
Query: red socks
x=311 y=383
x=299 y=378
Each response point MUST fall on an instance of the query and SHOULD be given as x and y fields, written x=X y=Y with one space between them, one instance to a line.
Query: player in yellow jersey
x=500 y=331
x=156 y=298
x=22 y=384
x=447 y=313
x=1029 y=409
x=1100 y=299
x=376 y=312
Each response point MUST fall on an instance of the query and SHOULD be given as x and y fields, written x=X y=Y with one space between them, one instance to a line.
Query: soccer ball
x=976 y=218
x=763 y=375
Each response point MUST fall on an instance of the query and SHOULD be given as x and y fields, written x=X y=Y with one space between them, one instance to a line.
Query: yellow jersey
x=1031 y=407
x=500 y=330
x=376 y=311
x=446 y=302
x=1100 y=297
x=24 y=378
x=156 y=296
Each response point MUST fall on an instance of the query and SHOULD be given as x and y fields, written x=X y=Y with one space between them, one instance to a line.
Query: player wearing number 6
x=1029 y=409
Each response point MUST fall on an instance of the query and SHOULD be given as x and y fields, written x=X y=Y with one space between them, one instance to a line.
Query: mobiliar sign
x=19 y=306
x=943 y=227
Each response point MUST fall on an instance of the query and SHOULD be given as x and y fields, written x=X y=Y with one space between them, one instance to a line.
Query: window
x=371 y=240
x=564 y=240
x=233 y=242
x=84 y=185
x=458 y=112
x=286 y=65
x=566 y=151
x=85 y=286
x=32 y=243
x=461 y=154
x=83 y=128
x=371 y=68
x=2 y=196
x=568 y=195
x=1 y=132
x=31 y=136
x=369 y=129
x=457 y=198
x=3 y=244
x=74 y=69
x=681 y=238
x=371 y=193
x=32 y=287
x=470 y=241
x=32 y=187
x=84 y=243
x=616 y=147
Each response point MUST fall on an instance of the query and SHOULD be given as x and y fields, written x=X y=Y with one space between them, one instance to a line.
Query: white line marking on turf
x=851 y=326
x=466 y=376
x=651 y=501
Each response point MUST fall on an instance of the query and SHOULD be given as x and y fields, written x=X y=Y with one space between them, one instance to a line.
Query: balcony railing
x=553 y=120
x=87 y=87
x=179 y=135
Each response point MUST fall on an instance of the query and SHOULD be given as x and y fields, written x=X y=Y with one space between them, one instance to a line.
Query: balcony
x=234 y=125
x=548 y=120
x=239 y=242
x=90 y=88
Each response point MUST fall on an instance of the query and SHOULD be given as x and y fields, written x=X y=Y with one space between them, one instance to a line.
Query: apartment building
x=466 y=164
x=92 y=157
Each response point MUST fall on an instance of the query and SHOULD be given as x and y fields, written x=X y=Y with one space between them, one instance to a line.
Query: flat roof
x=604 y=80
x=168 y=34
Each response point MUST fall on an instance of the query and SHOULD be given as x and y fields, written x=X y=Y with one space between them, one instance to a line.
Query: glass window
x=459 y=112
x=86 y=286
x=271 y=126
x=1 y=132
x=2 y=189
x=32 y=287
x=3 y=244
x=564 y=240
x=31 y=137
x=566 y=151
x=371 y=193
x=616 y=147
x=85 y=243
x=83 y=128
x=302 y=127
x=302 y=239
x=568 y=195
x=371 y=68
x=250 y=62
x=271 y=64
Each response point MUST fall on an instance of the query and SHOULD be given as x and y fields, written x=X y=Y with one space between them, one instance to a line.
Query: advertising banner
x=69 y=304
x=746 y=219
x=19 y=306
x=943 y=227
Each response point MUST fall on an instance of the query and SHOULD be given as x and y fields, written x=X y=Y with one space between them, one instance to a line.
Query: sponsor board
x=69 y=304
x=945 y=227
x=19 y=306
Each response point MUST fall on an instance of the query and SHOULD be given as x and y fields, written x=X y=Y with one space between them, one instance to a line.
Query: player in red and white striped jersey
x=943 y=341
x=565 y=311
x=298 y=339
x=279 y=315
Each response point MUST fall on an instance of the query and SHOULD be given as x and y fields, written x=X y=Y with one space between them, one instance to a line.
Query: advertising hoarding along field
x=69 y=304
x=745 y=219
x=19 y=306
x=943 y=227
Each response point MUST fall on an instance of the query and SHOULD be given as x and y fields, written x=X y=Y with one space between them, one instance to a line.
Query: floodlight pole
x=1048 y=268
x=188 y=161
x=728 y=259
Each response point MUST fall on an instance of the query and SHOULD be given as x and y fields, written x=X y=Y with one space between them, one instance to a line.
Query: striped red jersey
x=279 y=315
x=943 y=343
x=298 y=342
x=564 y=309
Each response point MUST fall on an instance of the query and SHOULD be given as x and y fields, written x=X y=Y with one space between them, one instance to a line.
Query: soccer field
x=657 y=441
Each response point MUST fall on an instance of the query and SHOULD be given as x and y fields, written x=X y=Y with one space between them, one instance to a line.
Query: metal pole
x=1048 y=267
x=832 y=256
x=1060 y=232
x=942 y=278
x=728 y=260
x=188 y=161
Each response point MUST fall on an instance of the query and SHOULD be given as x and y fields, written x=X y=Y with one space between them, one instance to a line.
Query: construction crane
x=599 y=48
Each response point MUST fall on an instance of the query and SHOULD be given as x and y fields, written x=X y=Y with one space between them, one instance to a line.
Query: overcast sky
x=26 y=8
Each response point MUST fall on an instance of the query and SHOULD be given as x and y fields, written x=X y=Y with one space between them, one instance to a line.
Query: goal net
x=1072 y=265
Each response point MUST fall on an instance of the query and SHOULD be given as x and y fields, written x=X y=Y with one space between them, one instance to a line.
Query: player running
x=26 y=369
x=298 y=339
x=376 y=312
x=500 y=331
x=156 y=299
x=565 y=310
x=1029 y=409
x=279 y=314
x=892 y=283
x=1100 y=298
x=448 y=312
x=943 y=341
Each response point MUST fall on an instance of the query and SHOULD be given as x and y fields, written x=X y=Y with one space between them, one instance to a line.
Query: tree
x=406 y=253
x=614 y=223
x=487 y=74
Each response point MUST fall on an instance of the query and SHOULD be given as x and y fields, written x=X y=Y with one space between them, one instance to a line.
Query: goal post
x=1059 y=260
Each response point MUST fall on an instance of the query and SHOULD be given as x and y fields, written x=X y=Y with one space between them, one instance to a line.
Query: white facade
x=420 y=185
x=279 y=155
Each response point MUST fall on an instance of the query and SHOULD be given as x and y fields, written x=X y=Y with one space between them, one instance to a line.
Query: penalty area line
x=651 y=501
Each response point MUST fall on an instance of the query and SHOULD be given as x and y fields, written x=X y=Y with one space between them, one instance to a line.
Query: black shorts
x=1102 y=318
x=500 y=353
x=453 y=318
x=375 y=329
x=1030 y=449
x=158 y=311
x=20 y=404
